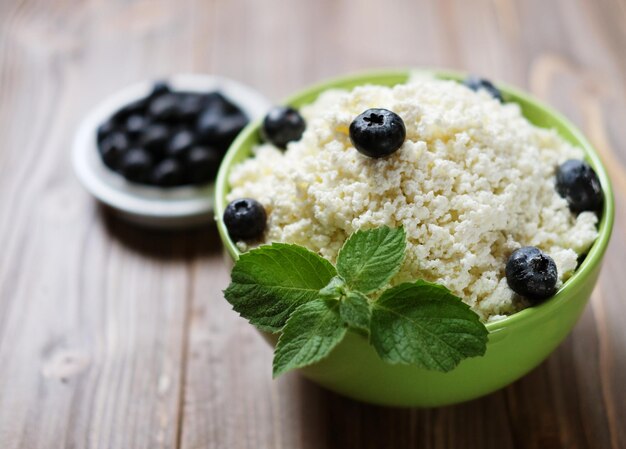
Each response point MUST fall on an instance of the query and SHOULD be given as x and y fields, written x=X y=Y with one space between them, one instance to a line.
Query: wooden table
x=115 y=337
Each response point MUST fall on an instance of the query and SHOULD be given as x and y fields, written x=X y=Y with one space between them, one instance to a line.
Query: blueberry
x=136 y=165
x=155 y=137
x=180 y=143
x=282 y=125
x=229 y=127
x=531 y=273
x=137 y=107
x=579 y=185
x=202 y=164
x=159 y=88
x=164 y=107
x=208 y=123
x=135 y=124
x=377 y=132
x=218 y=101
x=475 y=83
x=112 y=148
x=167 y=173
x=189 y=106
x=105 y=129
x=219 y=130
x=245 y=219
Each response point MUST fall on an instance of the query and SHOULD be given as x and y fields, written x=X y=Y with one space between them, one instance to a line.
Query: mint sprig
x=290 y=289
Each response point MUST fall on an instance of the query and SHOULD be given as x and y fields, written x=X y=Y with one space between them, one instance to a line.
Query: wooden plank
x=92 y=312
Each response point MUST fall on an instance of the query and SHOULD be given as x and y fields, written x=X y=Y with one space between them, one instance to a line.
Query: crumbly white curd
x=473 y=181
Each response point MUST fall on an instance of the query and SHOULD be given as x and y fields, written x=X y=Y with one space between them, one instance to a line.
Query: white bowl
x=174 y=207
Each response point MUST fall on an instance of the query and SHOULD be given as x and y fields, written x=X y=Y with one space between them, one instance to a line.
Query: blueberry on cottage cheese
x=579 y=185
x=475 y=83
x=377 y=132
x=531 y=273
x=245 y=219
x=282 y=125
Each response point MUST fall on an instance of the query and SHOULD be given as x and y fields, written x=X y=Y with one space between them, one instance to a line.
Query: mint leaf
x=311 y=332
x=369 y=259
x=355 y=311
x=270 y=282
x=424 y=324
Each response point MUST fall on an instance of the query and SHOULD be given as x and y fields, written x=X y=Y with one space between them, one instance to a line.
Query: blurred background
x=116 y=337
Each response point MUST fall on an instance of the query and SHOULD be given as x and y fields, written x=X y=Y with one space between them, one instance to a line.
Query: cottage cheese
x=473 y=181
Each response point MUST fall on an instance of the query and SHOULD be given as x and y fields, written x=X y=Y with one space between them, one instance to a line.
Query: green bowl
x=517 y=344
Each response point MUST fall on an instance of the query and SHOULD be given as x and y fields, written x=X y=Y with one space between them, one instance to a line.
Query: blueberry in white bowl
x=165 y=125
x=142 y=153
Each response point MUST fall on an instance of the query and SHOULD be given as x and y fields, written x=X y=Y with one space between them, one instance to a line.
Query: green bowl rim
x=594 y=256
